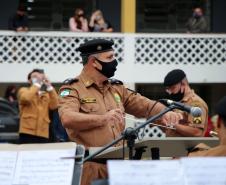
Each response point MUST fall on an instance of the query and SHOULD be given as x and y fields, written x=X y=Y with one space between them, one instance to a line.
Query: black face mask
x=177 y=96
x=197 y=16
x=108 y=68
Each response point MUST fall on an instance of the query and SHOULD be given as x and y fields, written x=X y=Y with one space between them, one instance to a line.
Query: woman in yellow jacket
x=34 y=103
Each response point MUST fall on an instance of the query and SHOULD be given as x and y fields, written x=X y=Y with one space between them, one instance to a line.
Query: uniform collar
x=87 y=81
x=188 y=95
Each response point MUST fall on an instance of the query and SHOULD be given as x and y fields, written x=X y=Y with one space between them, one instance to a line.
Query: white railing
x=142 y=58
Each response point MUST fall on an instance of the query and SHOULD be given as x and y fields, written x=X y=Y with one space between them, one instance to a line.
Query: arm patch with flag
x=65 y=92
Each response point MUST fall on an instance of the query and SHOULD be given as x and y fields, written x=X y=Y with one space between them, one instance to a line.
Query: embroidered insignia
x=65 y=92
x=117 y=97
x=197 y=120
x=88 y=100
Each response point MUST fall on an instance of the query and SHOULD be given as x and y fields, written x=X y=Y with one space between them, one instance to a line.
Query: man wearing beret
x=92 y=106
x=221 y=126
x=177 y=87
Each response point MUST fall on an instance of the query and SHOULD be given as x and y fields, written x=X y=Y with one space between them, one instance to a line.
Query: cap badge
x=99 y=47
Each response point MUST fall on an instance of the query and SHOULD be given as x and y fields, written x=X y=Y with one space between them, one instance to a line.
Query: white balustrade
x=144 y=58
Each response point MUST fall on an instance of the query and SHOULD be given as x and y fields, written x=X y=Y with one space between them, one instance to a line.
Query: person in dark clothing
x=19 y=22
x=197 y=23
x=11 y=95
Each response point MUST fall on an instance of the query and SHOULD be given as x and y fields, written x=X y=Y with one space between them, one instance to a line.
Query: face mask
x=108 y=68
x=34 y=80
x=177 y=96
x=196 y=15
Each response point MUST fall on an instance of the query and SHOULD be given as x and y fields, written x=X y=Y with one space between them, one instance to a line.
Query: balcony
x=143 y=58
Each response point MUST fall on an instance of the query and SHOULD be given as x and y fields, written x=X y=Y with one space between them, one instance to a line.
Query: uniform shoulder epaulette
x=70 y=81
x=131 y=90
x=115 y=81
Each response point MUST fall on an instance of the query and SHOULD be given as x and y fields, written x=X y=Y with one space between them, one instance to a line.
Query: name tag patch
x=88 y=100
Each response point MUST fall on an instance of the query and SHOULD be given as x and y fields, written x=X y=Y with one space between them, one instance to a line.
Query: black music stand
x=168 y=147
x=79 y=156
x=130 y=135
x=100 y=182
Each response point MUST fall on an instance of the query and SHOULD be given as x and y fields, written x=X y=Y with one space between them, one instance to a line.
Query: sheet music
x=7 y=166
x=204 y=171
x=145 y=172
x=44 y=167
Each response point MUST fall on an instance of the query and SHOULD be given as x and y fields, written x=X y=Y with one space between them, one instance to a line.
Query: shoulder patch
x=115 y=81
x=65 y=92
x=70 y=81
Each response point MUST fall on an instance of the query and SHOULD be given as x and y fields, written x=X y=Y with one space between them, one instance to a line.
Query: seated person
x=98 y=23
x=203 y=150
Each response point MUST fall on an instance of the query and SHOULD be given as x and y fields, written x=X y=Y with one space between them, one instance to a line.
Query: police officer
x=176 y=85
x=202 y=150
x=92 y=106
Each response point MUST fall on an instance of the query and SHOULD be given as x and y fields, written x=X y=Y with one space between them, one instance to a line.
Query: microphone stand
x=130 y=135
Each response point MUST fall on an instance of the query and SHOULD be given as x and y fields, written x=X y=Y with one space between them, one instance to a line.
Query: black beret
x=95 y=46
x=221 y=107
x=174 y=77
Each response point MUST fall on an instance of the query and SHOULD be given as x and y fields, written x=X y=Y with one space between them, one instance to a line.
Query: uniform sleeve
x=68 y=100
x=25 y=95
x=53 y=100
x=138 y=105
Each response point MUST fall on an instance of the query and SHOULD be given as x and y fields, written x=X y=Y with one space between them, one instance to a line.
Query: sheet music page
x=204 y=171
x=7 y=166
x=145 y=172
x=44 y=167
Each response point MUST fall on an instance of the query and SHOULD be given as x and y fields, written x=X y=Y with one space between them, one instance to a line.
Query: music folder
x=41 y=164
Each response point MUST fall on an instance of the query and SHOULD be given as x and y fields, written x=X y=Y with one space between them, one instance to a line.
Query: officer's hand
x=171 y=118
x=48 y=84
x=115 y=115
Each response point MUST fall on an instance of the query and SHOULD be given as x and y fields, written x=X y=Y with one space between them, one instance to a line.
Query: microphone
x=194 y=111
